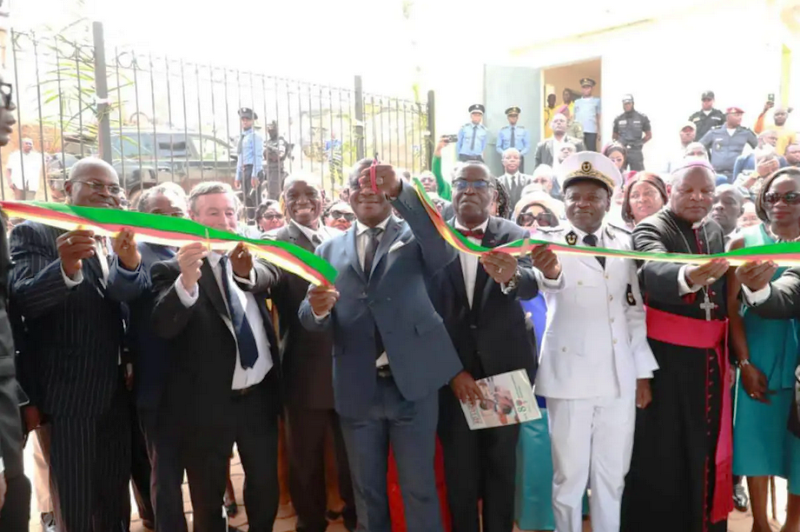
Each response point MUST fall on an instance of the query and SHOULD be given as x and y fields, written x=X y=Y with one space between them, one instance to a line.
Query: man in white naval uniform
x=595 y=363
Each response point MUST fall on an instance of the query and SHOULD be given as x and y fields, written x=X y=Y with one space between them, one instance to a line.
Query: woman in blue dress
x=767 y=355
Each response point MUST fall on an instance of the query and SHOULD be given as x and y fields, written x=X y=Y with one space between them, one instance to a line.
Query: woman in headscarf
x=645 y=194
x=538 y=209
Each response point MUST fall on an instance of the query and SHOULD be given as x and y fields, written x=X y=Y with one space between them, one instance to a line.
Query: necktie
x=513 y=138
x=477 y=233
x=248 y=350
x=372 y=248
x=316 y=240
x=591 y=240
x=474 y=134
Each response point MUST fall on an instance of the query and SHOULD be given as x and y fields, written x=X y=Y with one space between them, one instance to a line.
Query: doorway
x=558 y=78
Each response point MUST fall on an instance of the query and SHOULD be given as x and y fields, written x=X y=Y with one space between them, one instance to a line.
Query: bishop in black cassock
x=681 y=465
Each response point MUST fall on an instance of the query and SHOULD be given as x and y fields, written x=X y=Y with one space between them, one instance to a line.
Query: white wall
x=666 y=64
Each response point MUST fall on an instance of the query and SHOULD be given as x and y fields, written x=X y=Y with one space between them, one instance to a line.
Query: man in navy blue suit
x=391 y=351
x=132 y=284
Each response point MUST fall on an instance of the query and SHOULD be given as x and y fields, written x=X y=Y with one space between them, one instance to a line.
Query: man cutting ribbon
x=682 y=453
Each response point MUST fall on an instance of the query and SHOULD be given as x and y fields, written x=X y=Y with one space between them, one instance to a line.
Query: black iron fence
x=157 y=118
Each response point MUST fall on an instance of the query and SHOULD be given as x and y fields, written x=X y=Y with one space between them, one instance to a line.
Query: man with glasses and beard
x=593 y=382
x=59 y=284
x=307 y=371
x=682 y=455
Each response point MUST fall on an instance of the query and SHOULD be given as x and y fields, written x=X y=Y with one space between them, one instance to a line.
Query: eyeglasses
x=7 y=92
x=349 y=216
x=790 y=198
x=114 y=190
x=273 y=216
x=462 y=184
x=543 y=219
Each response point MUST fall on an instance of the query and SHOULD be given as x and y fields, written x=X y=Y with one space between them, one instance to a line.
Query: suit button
x=611 y=320
x=615 y=341
x=563 y=349
x=473 y=327
x=607 y=277
x=580 y=283
x=611 y=298
x=388 y=299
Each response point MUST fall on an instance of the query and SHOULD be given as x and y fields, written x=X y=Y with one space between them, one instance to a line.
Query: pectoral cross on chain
x=707 y=305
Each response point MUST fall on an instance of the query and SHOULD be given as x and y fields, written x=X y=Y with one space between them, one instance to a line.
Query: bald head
x=93 y=183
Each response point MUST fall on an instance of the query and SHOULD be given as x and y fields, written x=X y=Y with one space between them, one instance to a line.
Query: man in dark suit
x=547 y=150
x=479 y=302
x=222 y=385
x=15 y=489
x=307 y=372
x=59 y=286
x=151 y=358
x=391 y=351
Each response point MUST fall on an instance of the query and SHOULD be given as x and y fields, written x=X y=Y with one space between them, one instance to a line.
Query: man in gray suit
x=15 y=489
x=547 y=150
x=391 y=351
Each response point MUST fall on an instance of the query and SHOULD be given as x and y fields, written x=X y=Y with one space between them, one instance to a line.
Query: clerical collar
x=361 y=228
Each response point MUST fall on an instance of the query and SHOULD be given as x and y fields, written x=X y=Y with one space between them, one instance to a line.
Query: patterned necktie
x=372 y=249
x=513 y=137
x=591 y=240
x=248 y=350
x=474 y=134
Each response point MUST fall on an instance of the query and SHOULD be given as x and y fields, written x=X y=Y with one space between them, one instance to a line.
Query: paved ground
x=738 y=522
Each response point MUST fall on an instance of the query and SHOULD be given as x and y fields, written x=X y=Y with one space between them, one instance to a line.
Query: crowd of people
x=657 y=381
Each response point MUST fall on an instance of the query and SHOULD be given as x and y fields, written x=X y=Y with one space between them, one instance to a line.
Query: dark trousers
x=167 y=467
x=410 y=427
x=90 y=467
x=140 y=468
x=478 y=464
x=306 y=430
x=590 y=141
x=251 y=199
x=635 y=159
x=205 y=451
x=16 y=512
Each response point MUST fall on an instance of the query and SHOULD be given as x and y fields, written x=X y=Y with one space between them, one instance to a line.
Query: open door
x=506 y=87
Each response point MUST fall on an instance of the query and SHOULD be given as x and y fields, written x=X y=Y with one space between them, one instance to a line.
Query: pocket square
x=397 y=245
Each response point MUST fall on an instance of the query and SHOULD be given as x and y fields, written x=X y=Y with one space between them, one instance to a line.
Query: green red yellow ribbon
x=171 y=231
x=783 y=254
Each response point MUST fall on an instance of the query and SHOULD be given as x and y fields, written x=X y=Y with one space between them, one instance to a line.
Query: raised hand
x=322 y=299
x=190 y=259
x=241 y=261
x=546 y=261
x=386 y=180
x=124 y=247
x=706 y=274
x=73 y=248
x=756 y=275
x=500 y=266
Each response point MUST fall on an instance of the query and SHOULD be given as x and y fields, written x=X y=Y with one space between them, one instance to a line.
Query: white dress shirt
x=242 y=377
x=469 y=263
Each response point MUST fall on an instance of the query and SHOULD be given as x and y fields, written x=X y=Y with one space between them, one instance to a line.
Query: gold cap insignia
x=572 y=238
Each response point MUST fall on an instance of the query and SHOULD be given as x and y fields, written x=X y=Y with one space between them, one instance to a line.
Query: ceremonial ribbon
x=171 y=231
x=783 y=254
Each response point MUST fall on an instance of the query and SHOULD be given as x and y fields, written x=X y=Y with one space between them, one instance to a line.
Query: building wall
x=666 y=63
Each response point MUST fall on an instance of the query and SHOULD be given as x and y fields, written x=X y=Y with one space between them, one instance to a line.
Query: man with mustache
x=59 y=284
x=682 y=454
x=223 y=384
x=391 y=351
x=307 y=371
x=595 y=380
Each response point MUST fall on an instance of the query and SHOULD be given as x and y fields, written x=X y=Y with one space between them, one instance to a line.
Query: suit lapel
x=457 y=277
x=352 y=252
x=208 y=282
x=297 y=237
x=389 y=236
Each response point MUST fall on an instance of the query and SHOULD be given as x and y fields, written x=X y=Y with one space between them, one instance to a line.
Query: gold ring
x=500 y=269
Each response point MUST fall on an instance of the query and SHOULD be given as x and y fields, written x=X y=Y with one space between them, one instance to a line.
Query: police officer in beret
x=472 y=136
x=249 y=165
x=632 y=129
x=708 y=117
x=726 y=142
x=514 y=136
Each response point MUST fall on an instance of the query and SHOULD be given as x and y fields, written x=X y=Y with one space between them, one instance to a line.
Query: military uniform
x=514 y=136
x=724 y=147
x=705 y=122
x=589 y=379
x=472 y=138
x=629 y=129
x=276 y=151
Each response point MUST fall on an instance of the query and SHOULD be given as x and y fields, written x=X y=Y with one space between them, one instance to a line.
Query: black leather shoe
x=740 y=498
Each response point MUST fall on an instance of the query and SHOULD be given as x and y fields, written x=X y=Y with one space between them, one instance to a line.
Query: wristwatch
x=512 y=283
x=743 y=363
